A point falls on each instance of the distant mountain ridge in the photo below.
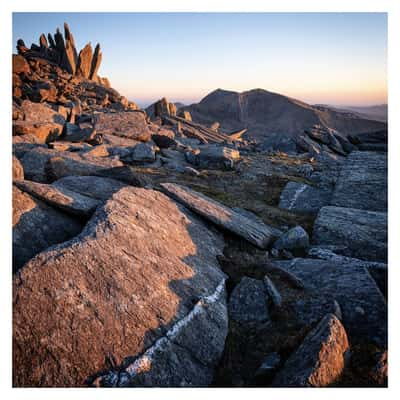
(377, 112)
(266, 113)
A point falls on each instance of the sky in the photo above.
(324, 58)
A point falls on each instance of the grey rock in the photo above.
(67, 163)
(272, 292)
(303, 198)
(37, 227)
(362, 183)
(269, 365)
(95, 187)
(248, 301)
(295, 238)
(141, 153)
(64, 199)
(214, 157)
(363, 234)
(144, 278)
(126, 124)
(320, 359)
(253, 231)
(34, 162)
(351, 286)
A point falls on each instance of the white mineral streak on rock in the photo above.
(143, 362)
(296, 195)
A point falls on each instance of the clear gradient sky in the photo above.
(331, 58)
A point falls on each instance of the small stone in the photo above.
(295, 239)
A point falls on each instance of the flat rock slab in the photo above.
(37, 227)
(128, 124)
(67, 200)
(68, 164)
(362, 183)
(140, 288)
(362, 304)
(303, 198)
(248, 301)
(255, 232)
(319, 360)
(95, 187)
(359, 233)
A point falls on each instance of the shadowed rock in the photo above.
(36, 227)
(248, 301)
(351, 286)
(96, 61)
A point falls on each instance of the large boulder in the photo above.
(214, 157)
(136, 299)
(248, 301)
(349, 284)
(36, 227)
(303, 198)
(360, 234)
(66, 164)
(127, 124)
(320, 359)
(362, 183)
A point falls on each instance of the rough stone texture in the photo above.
(253, 231)
(96, 61)
(319, 361)
(64, 199)
(95, 187)
(128, 124)
(303, 198)
(85, 61)
(351, 286)
(217, 157)
(66, 164)
(360, 234)
(295, 238)
(362, 183)
(20, 65)
(248, 301)
(34, 162)
(141, 153)
(36, 227)
(17, 169)
(132, 284)
(39, 120)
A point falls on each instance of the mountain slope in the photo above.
(264, 113)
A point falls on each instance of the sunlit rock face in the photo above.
(135, 276)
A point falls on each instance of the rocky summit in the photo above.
(237, 242)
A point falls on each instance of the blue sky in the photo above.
(335, 58)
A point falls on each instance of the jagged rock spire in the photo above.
(43, 41)
(85, 61)
(51, 41)
(96, 61)
(61, 49)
